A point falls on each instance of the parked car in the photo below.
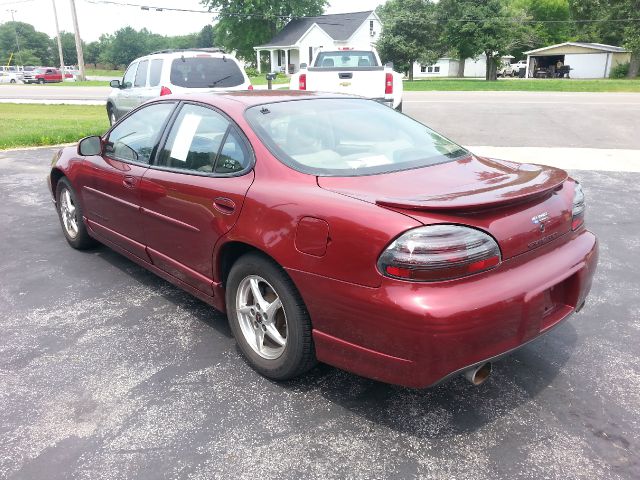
(174, 71)
(520, 64)
(506, 70)
(44, 75)
(10, 77)
(334, 229)
(347, 70)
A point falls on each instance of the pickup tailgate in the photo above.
(367, 82)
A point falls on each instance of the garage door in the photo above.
(588, 65)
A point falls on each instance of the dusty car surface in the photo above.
(334, 229)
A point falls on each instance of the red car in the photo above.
(45, 75)
(334, 229)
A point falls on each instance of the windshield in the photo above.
(347, 137)
(346, 59)
(206, 72)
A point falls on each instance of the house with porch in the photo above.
(301, 38)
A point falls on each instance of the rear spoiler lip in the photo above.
(469, 202)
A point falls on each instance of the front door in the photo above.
(194, 193)
(112, 195)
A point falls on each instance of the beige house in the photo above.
(587, 60)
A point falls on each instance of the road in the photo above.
(509, 119)
(107, 371)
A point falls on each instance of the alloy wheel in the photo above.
(68, 214)
(261, 317)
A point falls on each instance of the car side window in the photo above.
(141, 75)
(133, 139)
(155, 72)
(195, 139)
(234, 156)
(130, 75)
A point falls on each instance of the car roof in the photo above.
(250, 98)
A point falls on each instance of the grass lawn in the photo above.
(525, 84)
(262, 80)
(86, 83)
(103, 73)
(24, 125)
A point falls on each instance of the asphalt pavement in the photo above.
(108, 372)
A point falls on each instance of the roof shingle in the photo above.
(340, 27)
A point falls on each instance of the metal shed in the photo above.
(586, 60)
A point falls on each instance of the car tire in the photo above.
(253, 323)
(111, 112)
(399, 107)
(12, 80)
(70, 215)
(41, 81)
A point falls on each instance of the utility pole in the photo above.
(55, 17)
(78, 40)
(13, 20)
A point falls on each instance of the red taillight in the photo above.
(439, 252)
(164, 91)
(388, 84)
(302, 82)
(250, 87)
(577, 212)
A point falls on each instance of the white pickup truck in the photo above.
(358, 72)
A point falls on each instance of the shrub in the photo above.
(251, 71)
(619, 71)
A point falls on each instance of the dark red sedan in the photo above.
(334, 229)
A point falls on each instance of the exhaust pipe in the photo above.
(478, 374)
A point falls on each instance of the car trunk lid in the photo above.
(523, 206)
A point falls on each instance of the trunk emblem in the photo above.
(345, 84)
(540, 219)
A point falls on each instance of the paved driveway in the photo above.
(108, 372)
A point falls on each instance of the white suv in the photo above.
(174, 71)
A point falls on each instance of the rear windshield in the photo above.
(205, 72)
(346, 59)
(347, 137)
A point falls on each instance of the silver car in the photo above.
(174, 71)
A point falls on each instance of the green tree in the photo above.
(473, 27)
(618, 25)
(35, 46)
(69, 52)
(205, 37)
(410, 33)
(244, 25)
(92, 53)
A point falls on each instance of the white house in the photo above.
(301, 38)
(586, 60)
(448, 67)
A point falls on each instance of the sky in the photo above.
(98, 18)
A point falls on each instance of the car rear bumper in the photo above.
(418, 334)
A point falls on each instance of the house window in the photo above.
(430, 69)
(310, 55)
(371, 27)
(423, 68)
(279, 58)
(436, 69)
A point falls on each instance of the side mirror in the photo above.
(90, 146)
(115, 84)
(389, 65)
(303, 66)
